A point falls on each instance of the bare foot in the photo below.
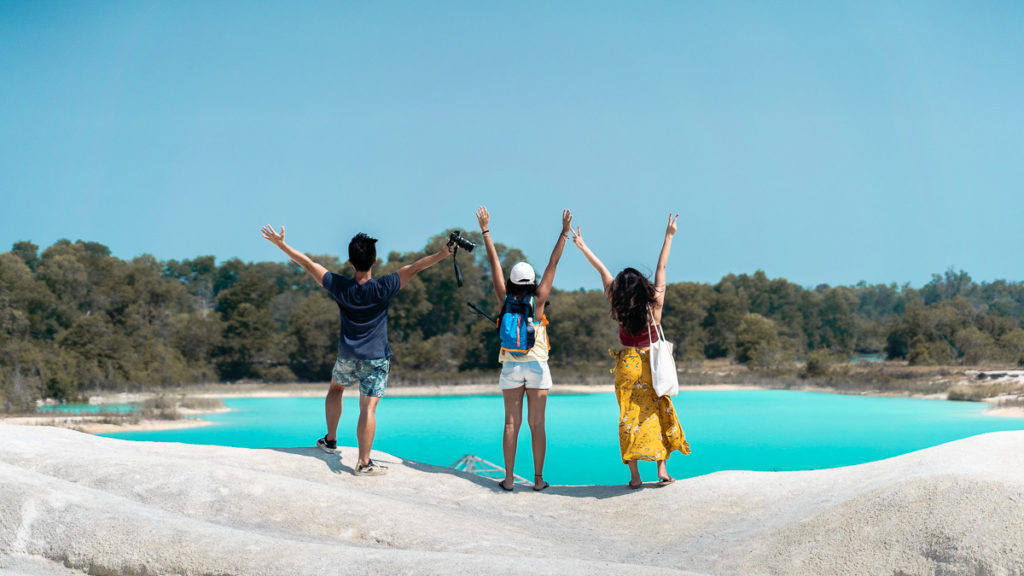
(663, 476)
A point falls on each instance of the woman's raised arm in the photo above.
(659, 273)
(547, 279)
(483, 217)
(606, 276)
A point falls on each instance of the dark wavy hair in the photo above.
(519, 290)
(362, 252)
(631, 295)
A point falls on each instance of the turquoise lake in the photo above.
(736, 430)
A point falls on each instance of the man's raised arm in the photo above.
(405, 273)
(315, 270)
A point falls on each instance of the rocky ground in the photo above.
(72, 503)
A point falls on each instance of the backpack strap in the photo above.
(531, 310)
(505, 305)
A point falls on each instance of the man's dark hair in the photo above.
(362, 252)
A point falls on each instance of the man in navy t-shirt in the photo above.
(364, 354)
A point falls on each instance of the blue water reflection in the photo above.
(735, 430)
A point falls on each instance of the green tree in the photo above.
(726, 310)
(974, 346)
(1012, 346)
(67, 279)
(581, 329)
(100, 351)
(935, 352)
(948, 286)
(197, 336)
(819, 364)
(686, 308)
(249, 343)
(198, 276)
(839, 320)
(26, 304)
(758, 344)
(150, 301)
(27, 252)
(878, 302)
(313, 331)
(253, 287)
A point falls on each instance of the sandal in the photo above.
(502, 484)
(538, 487)
(632, 486)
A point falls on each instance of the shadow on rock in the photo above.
(333, 461)
(596, 492)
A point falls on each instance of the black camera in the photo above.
(461, 241)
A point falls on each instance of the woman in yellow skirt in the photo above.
(648, 426)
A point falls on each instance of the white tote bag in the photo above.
(663, 367)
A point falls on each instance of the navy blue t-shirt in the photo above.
(364, 314)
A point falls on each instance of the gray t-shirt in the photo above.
(364, 314)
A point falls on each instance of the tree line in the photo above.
(74, 318)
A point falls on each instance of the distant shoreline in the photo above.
(428, 390)
(89, 425)
(102, 424)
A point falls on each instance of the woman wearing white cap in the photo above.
(525, 364)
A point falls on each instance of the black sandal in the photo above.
(539, 487)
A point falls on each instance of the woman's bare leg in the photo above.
(634, 474)
(510, 436)
(536, 401)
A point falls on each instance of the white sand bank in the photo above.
(1006, 412)
(92, 425)
(74, 502)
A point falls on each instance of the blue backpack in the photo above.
(515, 326)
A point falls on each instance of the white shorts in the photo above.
(532, 374)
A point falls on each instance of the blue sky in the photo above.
(823, 142)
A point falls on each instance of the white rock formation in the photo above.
(71, 503)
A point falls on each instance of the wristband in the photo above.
(486, 232)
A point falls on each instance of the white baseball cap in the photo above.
(522, 273)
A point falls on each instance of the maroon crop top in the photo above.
(639, 341)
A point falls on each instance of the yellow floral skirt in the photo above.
(648, 426)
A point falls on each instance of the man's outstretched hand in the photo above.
(272, 236)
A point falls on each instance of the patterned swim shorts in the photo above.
(371, 375)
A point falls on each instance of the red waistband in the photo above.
(641, 340)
